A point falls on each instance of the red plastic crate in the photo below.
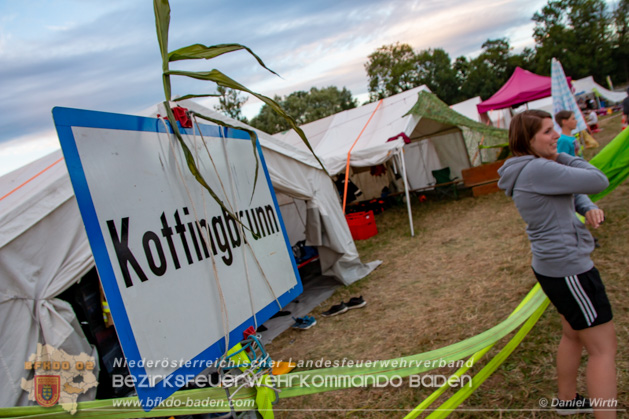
(362, 225)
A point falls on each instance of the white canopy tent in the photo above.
(44, 250)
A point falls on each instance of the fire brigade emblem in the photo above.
(47, 389)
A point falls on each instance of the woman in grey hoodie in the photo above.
(547, 188)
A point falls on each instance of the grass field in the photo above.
(465, 270)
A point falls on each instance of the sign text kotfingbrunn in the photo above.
(196, 239)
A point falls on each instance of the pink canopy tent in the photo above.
(522, 86)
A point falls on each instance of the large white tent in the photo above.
(587, 85)
(366, 137)
(44, 250)
(436, 137)
(333, 136)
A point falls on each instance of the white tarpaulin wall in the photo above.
(423, 158)
(294, 215)
(450, 147)
(44, 250)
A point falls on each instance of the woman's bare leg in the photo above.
(600, 343)
(568, 361)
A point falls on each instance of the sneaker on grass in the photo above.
(304, 323)
(573, 407)
(356, 302)
(334, 310)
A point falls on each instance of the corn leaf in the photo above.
(193, 167)
(193, 96)
(223, 80)
(162, 22)
(252, 135)
(198, 51)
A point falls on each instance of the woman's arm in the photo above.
(566, 175)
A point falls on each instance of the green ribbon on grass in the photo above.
(294, 384)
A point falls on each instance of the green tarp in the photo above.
(429, 106)
(613, 160)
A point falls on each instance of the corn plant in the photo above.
(197, 52)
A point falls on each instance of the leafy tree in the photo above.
(230, 103)
(392, 69)
(304, 107)
(485, 74)
(620, 39)
(576, 32)
(436, 72)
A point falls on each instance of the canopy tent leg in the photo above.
(408, 198)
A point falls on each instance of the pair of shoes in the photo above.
(575, 406)
(354, 302)
(304, 323)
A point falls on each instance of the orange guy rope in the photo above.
(31, 179)
(349, 153)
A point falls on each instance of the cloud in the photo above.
(20, 151)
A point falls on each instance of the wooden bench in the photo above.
(482, 179)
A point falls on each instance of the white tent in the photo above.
(374, 125)
(500, 118)
(414, 124)
(581, 87)
(333, 136)
(587, 85)
(366, 131)
(44, 250)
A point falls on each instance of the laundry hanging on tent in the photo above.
(353, 192)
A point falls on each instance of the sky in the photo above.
(104, 55)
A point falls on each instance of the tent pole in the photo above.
(408, 198)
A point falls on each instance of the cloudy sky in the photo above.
(103, 55)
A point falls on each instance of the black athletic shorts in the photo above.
(581, 299)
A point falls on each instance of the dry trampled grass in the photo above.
(465, 270)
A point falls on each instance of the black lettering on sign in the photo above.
(124, 253)
(221, 234)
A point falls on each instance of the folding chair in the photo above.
(445, 186)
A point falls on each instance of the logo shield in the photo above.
(47, 389)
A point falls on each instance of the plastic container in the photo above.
(362, 225)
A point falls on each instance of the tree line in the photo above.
(587, 36)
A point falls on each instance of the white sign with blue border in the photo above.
(178, 271)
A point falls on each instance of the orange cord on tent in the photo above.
(349, 153)
(31, 179)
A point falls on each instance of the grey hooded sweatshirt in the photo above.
(547, 193)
